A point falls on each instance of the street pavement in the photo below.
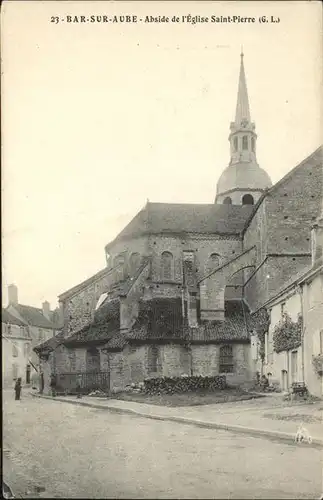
(58, 450)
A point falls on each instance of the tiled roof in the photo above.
(117, 342)
(162, 319)
(50, 344)
(159, 319)
(105, 325)
(235, 327)
(33, 316)
(185, 218)
(6, 317)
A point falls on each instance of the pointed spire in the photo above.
(242, 110)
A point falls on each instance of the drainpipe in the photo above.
(300, 291)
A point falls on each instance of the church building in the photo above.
(185, 286)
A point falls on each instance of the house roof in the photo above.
(105, 325)
(50, 344)
(182, 218)
(7, 317)
(33, 316)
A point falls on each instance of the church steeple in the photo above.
(243, 136)
(243, 181)
(242, 109)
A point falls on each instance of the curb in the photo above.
(264, 433)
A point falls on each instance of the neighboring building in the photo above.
(295, 336)
(16, 350)
(42, 324)
(185, 285)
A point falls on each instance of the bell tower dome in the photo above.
(243, 181)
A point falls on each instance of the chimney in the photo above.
(13, 295)
(46, 309)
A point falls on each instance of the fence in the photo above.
(86, 381)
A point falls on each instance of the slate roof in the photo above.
(105, 325)
(186, 218)
(7, 317)
(50, 344)
(34, 316)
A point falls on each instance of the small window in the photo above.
(282, 309)
(245, 142)
(40, 334)
(226, 359)
(247, 199)
(227, 201)
(253, 144)
(14, 351)
(235, 144)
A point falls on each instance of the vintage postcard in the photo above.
(162, 235)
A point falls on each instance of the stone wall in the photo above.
(134, 363)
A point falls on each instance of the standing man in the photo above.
(18, 389)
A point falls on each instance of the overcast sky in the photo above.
(99, 117)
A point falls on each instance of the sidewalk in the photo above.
(269, 417)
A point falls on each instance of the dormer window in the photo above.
(245, 142)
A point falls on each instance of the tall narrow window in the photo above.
(14, 350)
(213, 262)
(245, 142)
(253, 142)
(226, 359)
(227, 201)
(235, 144)
(134, 262)
(14, 371)
(119, 262)
(153, 359)
(167, 266)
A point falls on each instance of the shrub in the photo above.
(288, 334)
(172, 385)
(317, 362)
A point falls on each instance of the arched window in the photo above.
(213, 262)
(92, 360)
(227, 201)
(167, 266)
(245, 142)
(253, 142)
(247, 199)
(134, 262)
(226, 359)
(119, 266)
(235, 144)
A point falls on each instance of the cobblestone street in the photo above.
(55, 449)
